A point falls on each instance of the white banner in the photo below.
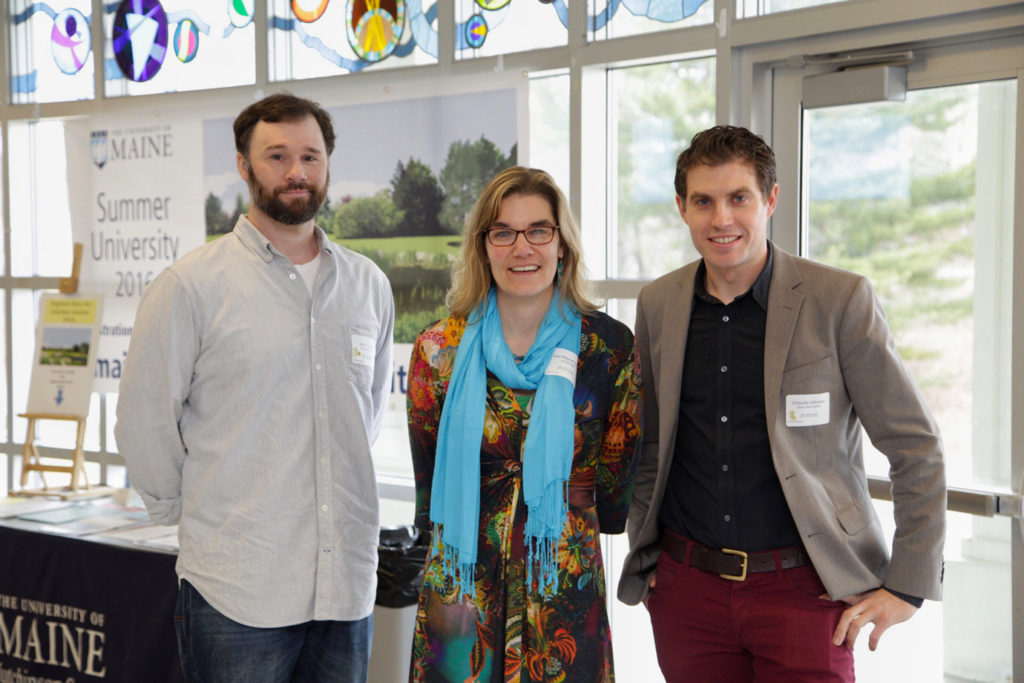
(136, 198)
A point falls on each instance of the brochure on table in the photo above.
(103, 520)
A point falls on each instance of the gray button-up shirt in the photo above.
(246, 413)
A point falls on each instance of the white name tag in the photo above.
(806, 410)
(563, 363)
(362, 350)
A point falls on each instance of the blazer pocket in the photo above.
(815, 370)
(852, 519)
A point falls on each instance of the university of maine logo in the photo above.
(98, 143)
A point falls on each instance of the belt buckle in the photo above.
(742, 576)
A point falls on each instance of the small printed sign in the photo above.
(62, 373)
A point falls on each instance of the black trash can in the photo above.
(402, 555)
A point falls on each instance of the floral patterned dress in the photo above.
(509, 632)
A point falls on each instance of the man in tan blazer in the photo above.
(754, 543)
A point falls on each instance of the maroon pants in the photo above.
(770, 627)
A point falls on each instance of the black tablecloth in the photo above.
(74, 610)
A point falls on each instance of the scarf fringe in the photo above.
(462, 573)
(542, 542)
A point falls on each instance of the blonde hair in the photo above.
(471, 277)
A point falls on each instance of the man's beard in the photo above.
(294, 212)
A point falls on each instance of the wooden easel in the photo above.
(30, 460)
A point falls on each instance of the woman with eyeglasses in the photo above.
(525, 420)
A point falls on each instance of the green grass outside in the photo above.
(62, 357)
(431, 244)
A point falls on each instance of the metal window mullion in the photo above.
(98, 50)
(1016, 370)
(261, 44)
(5, 221)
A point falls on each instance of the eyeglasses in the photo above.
(535, 234)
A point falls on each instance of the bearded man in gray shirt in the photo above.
(256, 380)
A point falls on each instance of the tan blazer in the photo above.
(825, 334)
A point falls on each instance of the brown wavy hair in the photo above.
(471, 277)
(722, 144)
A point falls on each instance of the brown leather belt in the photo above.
(732, 564)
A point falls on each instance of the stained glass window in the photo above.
(50, 51)
(158, 46)
(617, 18)
(485, 28)
(311, 38)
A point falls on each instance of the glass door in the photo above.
(918, 195)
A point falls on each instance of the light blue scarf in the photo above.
(547, 452)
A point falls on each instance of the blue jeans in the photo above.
(215, 649)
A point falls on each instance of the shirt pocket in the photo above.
(359, 346)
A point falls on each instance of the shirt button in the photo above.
(725, 468)
(727, 518)
(725, 318)
(725, 418)
(724, 368)
(291, 276)
(324, 508)
(317, 366)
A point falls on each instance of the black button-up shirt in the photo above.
(722, 489)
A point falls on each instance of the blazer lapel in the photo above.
(674, 321)
(784, 304)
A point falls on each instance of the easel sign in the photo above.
(65, 357)
(62, 374)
